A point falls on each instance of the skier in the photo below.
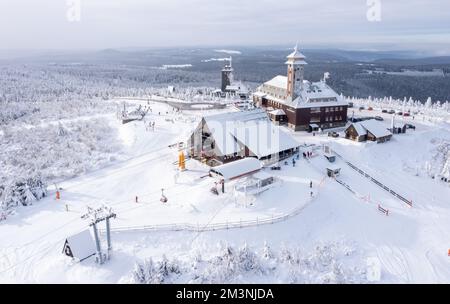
(310, 184)
(137, 199)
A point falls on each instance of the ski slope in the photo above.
(411, 244)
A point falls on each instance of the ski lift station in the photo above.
(80, 246)
(330, 157)
(227, 137)
(255, 184)
(251, 179)
(333, 171)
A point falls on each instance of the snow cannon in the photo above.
(181, 161)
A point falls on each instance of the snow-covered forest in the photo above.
(51, 124)
(332, 263)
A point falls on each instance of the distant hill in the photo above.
(417, 61)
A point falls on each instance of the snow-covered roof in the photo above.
(253, 129)
(81, 245)
(296, 57)
(277, 112)
(233, 88)
(262, 138)
(238, 168)
(373, 126)
(259, 94)
(222, 126)
(278, 82)
(359, 129)
(318, 94)
(333, 167)
(237, 116)
(329, 154)
(313, 94)
(261, 175)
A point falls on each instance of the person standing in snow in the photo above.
(176, 175)
(310, 184)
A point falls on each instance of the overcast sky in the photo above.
(43, 24)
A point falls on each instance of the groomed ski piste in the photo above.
(336, 234)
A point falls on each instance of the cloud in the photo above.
(124, 23)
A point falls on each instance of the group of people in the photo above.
(150, 126)
(307, 154)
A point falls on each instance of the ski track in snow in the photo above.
(411, 243)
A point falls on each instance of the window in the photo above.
(327, 110)
(337, 109)
(341, 108)
(331, 109)
(315, 110)
(326, 118)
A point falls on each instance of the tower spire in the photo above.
(295, 63)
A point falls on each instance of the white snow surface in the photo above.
(410, 245)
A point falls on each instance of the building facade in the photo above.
(229, 86)
(227, 76)
(305, 104)
(369, 130)
(227, 137)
